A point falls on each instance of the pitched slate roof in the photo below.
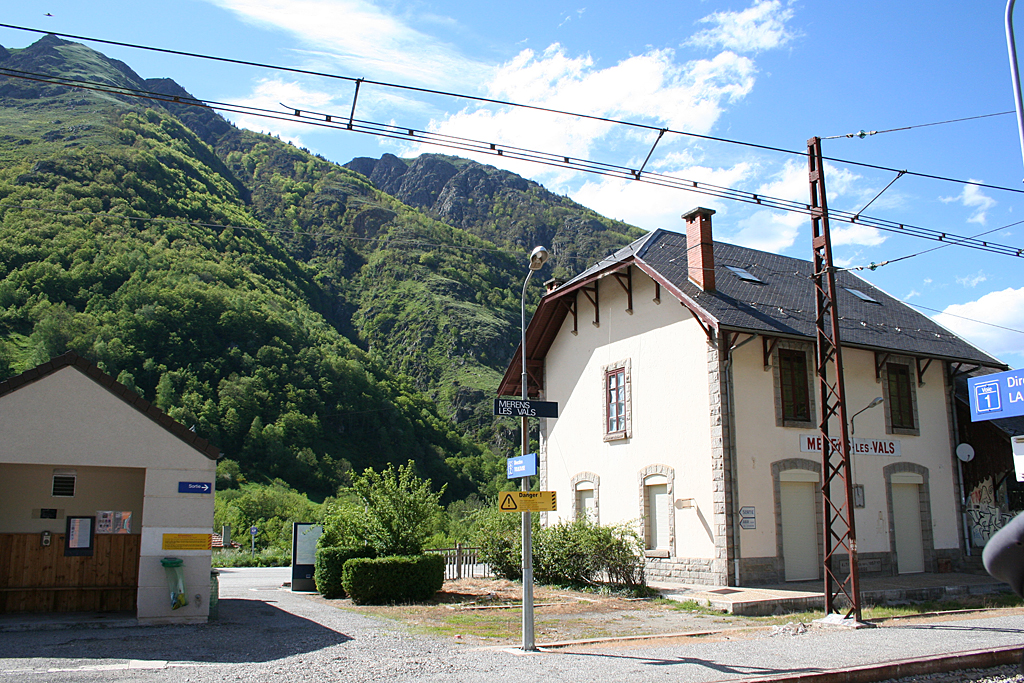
(782, 304)
(113, 386)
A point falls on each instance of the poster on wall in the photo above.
(78, 537)
(113, 522)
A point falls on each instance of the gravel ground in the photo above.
(265, 631)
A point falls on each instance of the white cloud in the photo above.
(364, 40)
(759, 27)
(1003, 308)
(777, 231)
(650, 206)
(972, 280)
(269, 94)
(911, 295)
(973, 198)
(651, 87)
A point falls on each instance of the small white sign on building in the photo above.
(1018, 456)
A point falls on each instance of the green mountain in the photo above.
(295, 311)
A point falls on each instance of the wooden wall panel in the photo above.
(34, 578)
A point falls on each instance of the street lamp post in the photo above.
(853, 451)
(537, 259)
(874, 402)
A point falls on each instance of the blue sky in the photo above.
(770, 72)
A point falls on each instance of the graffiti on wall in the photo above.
(984, 514)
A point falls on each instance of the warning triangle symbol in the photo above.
(508, 502)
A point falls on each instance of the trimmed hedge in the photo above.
(386, 580)
(329, 565)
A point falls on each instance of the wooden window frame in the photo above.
(788, 345)
(622, 428)
(791, 381)
(899, 389)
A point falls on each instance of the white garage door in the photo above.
(906, 519)
(799, 524)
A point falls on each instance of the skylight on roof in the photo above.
(862, 296)
(744, 275)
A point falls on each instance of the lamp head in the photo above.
(875, 402)
(538, 257)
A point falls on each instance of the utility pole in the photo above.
(837, 484)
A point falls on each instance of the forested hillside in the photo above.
(300, 317)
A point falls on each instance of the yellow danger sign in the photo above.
(528, 501)
(186, 541)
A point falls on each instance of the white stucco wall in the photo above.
(671, 425)
(667, 351)
(66, 420)
(760, 443)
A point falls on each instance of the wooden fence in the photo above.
(37, 578)
(462, 562)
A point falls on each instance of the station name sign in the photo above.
(811, 443)
(1000, 394)
(517, 407)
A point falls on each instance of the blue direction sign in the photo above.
(522, 466)
(195, 487)
(997, 395)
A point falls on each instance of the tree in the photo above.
(395, 512)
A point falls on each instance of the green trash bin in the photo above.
(174, 567)
(214, 593)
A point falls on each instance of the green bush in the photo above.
(583, 553)
(329, 565)
(386, 580)
(394, 512)
(500, 538)
(268, 557)
(574, 554)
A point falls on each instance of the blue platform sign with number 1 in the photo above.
(1000, 394)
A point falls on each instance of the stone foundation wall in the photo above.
(683, 570)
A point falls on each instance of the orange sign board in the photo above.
(187, 541)
(527, 501)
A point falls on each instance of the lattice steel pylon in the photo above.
(837, 484)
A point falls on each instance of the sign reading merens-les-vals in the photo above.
(1000, 394)
(517, 407)
(811, 443)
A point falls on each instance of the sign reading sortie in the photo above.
(811, 443)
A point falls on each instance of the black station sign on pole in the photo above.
(518, 407)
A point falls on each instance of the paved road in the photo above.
(267, 632)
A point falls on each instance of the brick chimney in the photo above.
(700, 252)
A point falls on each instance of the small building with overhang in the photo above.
(106, 503)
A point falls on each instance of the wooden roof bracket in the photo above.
(957, 369)
(922, 369)
(728, 341)
(592, 296)
(657, 292)
(534, 375)
(708, 330)
(880, 359)
(768, 345)
(572, 306)
(626, 282)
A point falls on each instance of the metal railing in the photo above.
(462, 562)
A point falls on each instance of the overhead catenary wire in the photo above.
(504, 103)
(973, 320)
(393, 131)
(876, 266)
(866, 133)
